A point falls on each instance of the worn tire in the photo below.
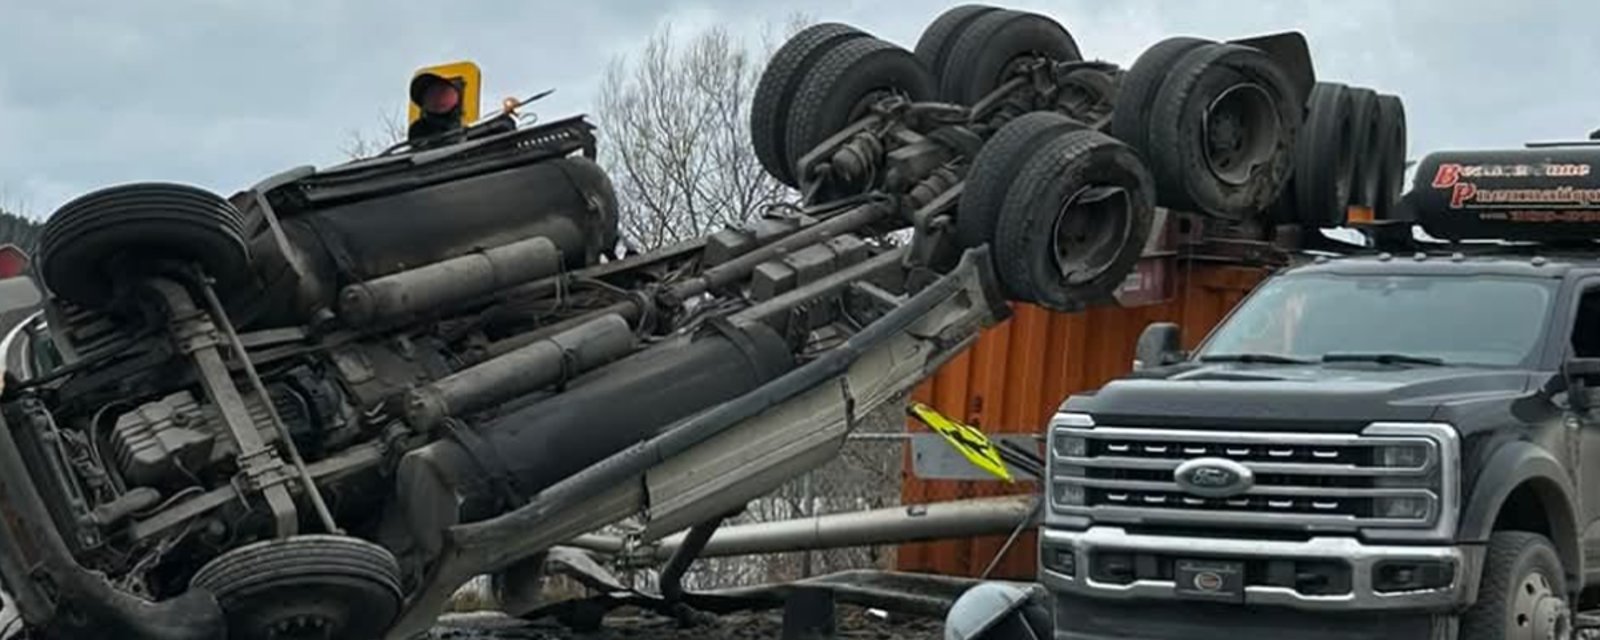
(299, 572)
(996, 166)
(1324, 160)
(983, 55)
(1026, 231)
(1392, 176)
(769, 108)
(1512, 557)
(933, 47)
(94, 238)
(1178, 149)
(1130, 116)
(1369, 147)
(838, 89)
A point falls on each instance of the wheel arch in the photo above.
(1524, 488)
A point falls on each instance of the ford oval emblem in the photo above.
(1214, 477)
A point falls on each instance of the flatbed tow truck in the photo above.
(1397, 442)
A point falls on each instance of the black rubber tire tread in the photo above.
(1323, 161)
(1175, 157)
(979, 57)
(1023, 250)
(1392, 176)
(1130, 116)
(933, 47)
(148, 220)
(251, 564)
(769, 107)
(839, 80)
(1369, 147)
(1510, 554)
(995, 167)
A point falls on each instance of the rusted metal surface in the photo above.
(1016, 375)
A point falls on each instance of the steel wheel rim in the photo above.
(1240, 131)
(1537, 611)
(1089, 230)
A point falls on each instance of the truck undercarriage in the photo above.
(316, 408)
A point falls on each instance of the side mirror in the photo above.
(1580, 374)
(1161, 344)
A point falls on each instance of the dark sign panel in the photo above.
(1548, 194)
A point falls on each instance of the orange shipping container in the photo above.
(1014, 377)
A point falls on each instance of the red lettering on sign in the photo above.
(1462, 193)
(1448, 175)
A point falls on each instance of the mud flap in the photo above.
(735, 452)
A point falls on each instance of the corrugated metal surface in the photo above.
(1013, 379)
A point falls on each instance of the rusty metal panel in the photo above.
(1015, 376)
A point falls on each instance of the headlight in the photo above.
(1068, 446)
(1066, 495)
(1403, 508)
(1402, 456)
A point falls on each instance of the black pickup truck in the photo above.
(1380, 444)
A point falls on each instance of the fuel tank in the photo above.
(476, 473)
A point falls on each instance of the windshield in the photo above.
(1478, 320)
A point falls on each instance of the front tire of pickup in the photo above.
(1523, 594)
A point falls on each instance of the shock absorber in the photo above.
(937, 182)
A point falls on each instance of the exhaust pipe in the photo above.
(892, 525)
(450, 282)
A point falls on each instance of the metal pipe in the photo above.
(693, 543)
(537, 365)
(894, 525)
(449, 282)
(732, 270)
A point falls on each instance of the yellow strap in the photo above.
(972, 443)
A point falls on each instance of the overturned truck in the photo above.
(315, 408)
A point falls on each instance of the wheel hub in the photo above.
(1089, 232)
(1538, 612)
(1241, 130)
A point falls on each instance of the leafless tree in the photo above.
(675, 135)
(365, 143)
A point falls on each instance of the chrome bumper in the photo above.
(1362, 558)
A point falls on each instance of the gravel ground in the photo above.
(853, 623)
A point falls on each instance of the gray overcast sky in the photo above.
(222, 92)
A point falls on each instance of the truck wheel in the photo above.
(1074, 221)
(311, 586)
(1324, 161)
(769, 108)
(99, 236)
(1392, 177)
(992, 47)
(995, 167)
(842, 87)
(1130, 116)
(933, 48)
(1523, 595)
(1222, 132)
(1369, 147)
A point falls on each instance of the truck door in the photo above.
(1586, 344)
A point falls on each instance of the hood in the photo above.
(1320, 397)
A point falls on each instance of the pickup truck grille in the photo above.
(1394, 476)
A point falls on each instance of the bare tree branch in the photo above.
(675, 135)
